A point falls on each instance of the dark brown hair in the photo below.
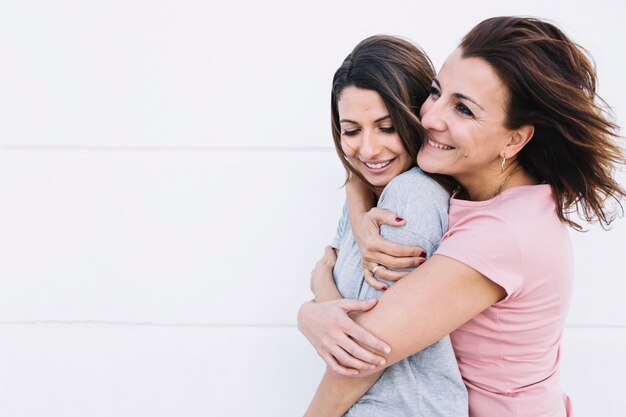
(552, 86)
(401, 73)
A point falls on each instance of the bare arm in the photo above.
(327, 322)
(331, 402)
(322, 284)
(429, 303)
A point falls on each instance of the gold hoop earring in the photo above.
(503, 162)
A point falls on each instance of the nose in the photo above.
(370, 145)
(432, 115)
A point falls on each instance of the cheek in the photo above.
(425, 107)
(407, 161)
(348, 150)
(420, 160)
(402, 155)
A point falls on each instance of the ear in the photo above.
(519, 138)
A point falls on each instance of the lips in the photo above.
(439, 145)
(377, 165)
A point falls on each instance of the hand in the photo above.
(380, 254)
(323, 269)
(334, 335)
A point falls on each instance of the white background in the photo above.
(167, 182)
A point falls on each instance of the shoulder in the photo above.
(415, 180)
(343, 228)
(344, 219)
(498, 237)
(422, 203)
(517, 211)
(415, 186)
(487, 242)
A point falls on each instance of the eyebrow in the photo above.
(459, 95)
(380, 119)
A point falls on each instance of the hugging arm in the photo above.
(329, 325)
(327, 322)
(322, 284)
(429, 303)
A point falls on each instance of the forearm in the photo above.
(360, 200)
(336, 394)
(429, 303)
(322, 283)
(324, 288)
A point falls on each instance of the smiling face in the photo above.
(368, 137)
(465, 120)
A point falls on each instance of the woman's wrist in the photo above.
(323, 285)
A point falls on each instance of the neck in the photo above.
(493, 183)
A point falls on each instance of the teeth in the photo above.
(378, 166)
(439, 145)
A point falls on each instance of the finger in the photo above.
(382, 216)
(392, 262)
(349, 305)
(378, 244)
(360, 334)
(374, 268)
(330, 256)
(346, 360)
(335, 367)
(390, 274)
(373, 282)
(367, 339)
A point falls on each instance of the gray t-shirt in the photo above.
(427, 383)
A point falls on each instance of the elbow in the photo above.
(301, 316)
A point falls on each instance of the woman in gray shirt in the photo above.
(375, 94)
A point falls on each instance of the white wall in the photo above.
(167, 182)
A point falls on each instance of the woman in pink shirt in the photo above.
(513, 116)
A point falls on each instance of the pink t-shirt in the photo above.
(509, 354)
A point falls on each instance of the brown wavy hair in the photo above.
(401, 73)
(552, 85)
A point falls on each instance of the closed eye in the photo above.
(463, 109)
(351, 132)
(389, 129)
(434, 91)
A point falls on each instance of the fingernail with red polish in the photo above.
(399, 219)
(423, 254)
(384, 288)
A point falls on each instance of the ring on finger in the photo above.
(375, 268)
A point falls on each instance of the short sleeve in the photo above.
(422, 203)
(342, 227)
(486, 243)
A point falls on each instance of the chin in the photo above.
(428, 166)
(378, 181)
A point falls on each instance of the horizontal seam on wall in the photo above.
(132, 323)
(65, 148)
